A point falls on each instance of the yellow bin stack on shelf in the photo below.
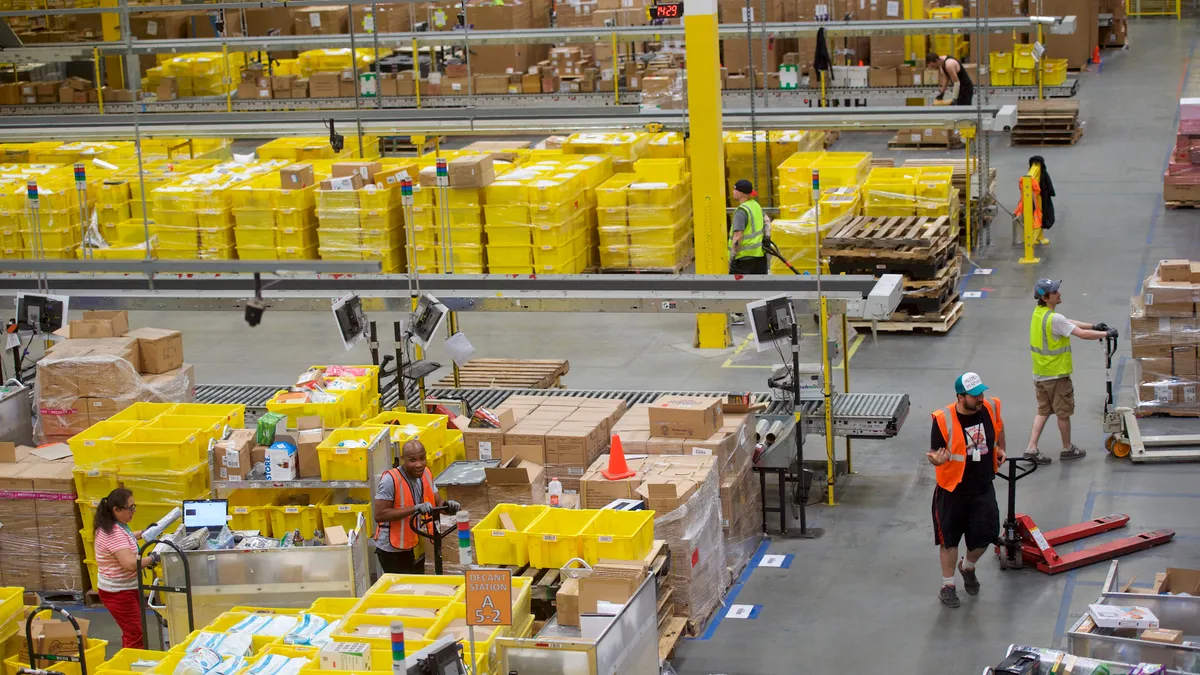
(891, 192)
(54, 231)
(794, 178)
(771, 148)
(193, 216)
(557, 209)
(363, 224)
(271, 223)
(842, 169)
(952, 45)
(935, 192)
(625, 147)
(310, 148)
(1001, 68)
(659, 215)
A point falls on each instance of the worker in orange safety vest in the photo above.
(967, 447)
(402, 492)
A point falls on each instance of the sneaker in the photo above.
(970, 580)
(948, 596)
(1037, 456)
(1073, 452)
(737, 319)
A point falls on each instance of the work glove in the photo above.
(155, 558)
(1112, 332)
(424, 508)
(939, 96)
(452, 507)
(1102, 327)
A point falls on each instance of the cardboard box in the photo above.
(322, 85)
(320, 21)
(610, 583)
(281, 462)
(491, 84)
(233, 455)
(309, 435)
(160, 350)
(100, 324)
(567, 603)
(1164, 635)
(364, 170)
(881, 77)
(1174, 270)
(296, 176)
(531, 84)
(1113, 616)
(248, 90)
(354, 656)
(1177, 189)
(343, 184)
(685, 417)
(1178, 580)
(516, 481)
(471, 171)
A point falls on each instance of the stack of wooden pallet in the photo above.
(923, 249)
(1048, 122)
(509, 374)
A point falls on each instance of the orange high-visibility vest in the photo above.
(950, 474)
(400, 534)
(1037, 202)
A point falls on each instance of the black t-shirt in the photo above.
(978, 430)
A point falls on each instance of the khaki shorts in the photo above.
(1055, 397)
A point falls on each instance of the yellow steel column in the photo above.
(914, 45)
(708, 157)
(110, 26)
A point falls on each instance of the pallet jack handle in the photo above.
(185, 589)
(34, 657)
(1110, 350)
(427, 526)
(1010, 536)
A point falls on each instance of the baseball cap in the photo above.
(1045, 287)
(744, 186)
(969, 383)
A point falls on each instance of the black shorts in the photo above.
(400, 562)
(749, 266)
(958, 514)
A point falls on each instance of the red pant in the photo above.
(124, 607)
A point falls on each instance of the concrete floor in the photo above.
(872, 579)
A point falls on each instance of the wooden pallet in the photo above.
(509, 374)
(899, 233)
(669, 636)
(940, 323)
(904, 142)
(1182, 205)
(1047, 137)
(1048, 122)
(679, 267)
(883, 163)
(932, 295)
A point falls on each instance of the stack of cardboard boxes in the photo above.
(563, 434)
(1181, 182)
(103, 368)
(39, 543)
(70, 90)
(1165, 336)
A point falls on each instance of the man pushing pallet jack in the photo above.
(967, 447)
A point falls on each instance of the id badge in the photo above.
(975, 455)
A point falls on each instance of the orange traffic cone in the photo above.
(617, 468)
(1096, 54)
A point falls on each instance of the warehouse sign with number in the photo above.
(489, 597)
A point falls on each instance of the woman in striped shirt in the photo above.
(117, 564)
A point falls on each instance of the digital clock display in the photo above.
(668, 10)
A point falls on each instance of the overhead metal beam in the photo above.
(858, 296)
(50, 52)
(467, 121)
(152, 267)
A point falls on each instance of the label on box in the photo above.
(151, 28)
(439, 19)
(291, 509)
(1164, 324)
(893, 8)
(264, 93)
(1162, 392)
(235, 479)
(916, 138)
(747, 14)
(341, 451)
(12, 340)
(240, 510)
(498, 533)
(605, 539)
(1148, 299)
(233, 460)
(224, 472)
(485, 449)
(707, 452)
(549, 537)
(929, 132)
(916, 79)
(1189, 393)
(343, 508)
(369, 24)
(93, 473)
(314, 19)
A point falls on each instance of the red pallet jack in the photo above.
(1022, 542)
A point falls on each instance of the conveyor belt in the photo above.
(855, 415)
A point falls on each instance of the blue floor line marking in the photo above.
(1169, 495)
(1064, 607)
(733, 592)
(756, 611)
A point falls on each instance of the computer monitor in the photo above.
(201, 513)
(426, 319)
(771, 319)
(41, 313)
(351, 320)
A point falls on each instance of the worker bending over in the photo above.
(967, 447)
(1050, 345)
(402, 492)
(953, 75)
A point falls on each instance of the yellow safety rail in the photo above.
(1031, 206)
(1152, 8)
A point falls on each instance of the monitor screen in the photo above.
(210, 513)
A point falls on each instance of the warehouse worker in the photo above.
(749, 227)
(967, 447)
(403, 491)
(117, 564)
(1050, 344)
(962, 91)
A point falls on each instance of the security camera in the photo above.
(256, 305)
(336, 140)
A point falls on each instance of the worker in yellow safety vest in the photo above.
(1050, 345)
(403, 491)
(967, 447)
(746, 233)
